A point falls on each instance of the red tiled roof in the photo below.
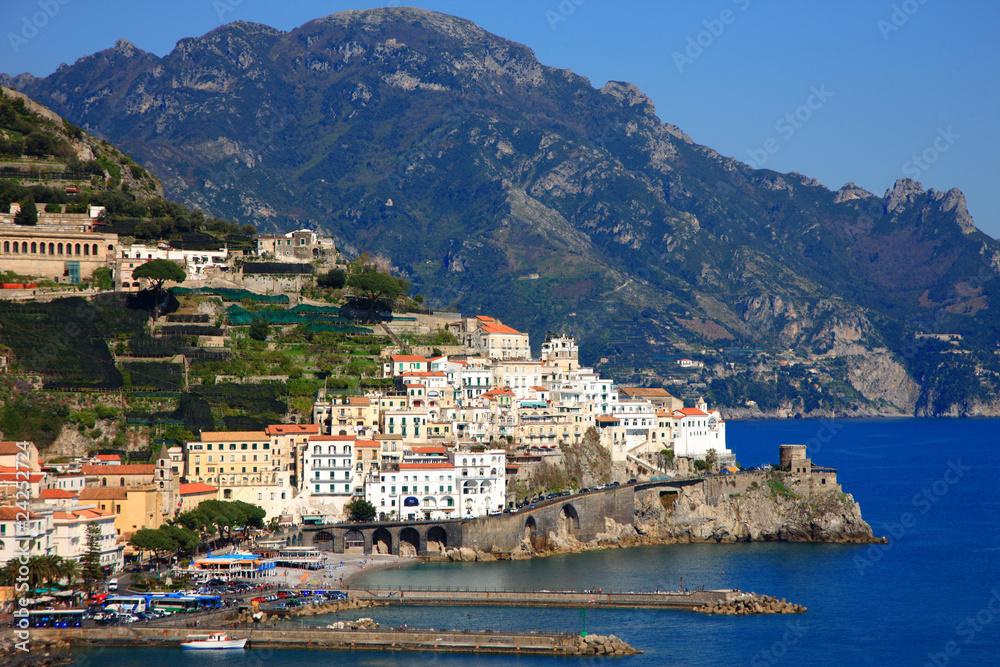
(104, 493)
(108, 457)
(367, 443)
(132, 469)
(691, 412)
(484, 318)
(285, 429)
(196, 487)
(230, 436)
(429, 450)
(11, 514)
(408, 357)
(9, 447)
(56, 493)
(329, 438)
(12, 475)
(500, 329)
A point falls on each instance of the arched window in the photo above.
(317, 449)
(347, 449)
(94, 250)
(86, 249)
(6, 246)
(332, 449)
(59, 249)
(24, 247)
(34, 248)
(77, 249)
(104, 481)
(41, 248)
(17, 247)
(121, 481)
(52, 249)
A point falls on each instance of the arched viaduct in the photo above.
(582, 516)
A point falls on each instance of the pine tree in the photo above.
(91, 560)
(28, 215)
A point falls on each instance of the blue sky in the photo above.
(840, 91)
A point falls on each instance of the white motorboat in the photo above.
(215, 640)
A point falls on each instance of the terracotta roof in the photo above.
(368, 443)
(408, 357)
(500, 329)
(539, 388)
(652, 392)
(607, 418)
(328, 438)
(108, 457)
(429, 450)
(133, 469)
(56, 493)
(104, 493)
(228, 436)
(358, 400)
(9, 447)
(18, 476)
(285, 429)
(425, 466)
(691, 412)
(196, 487)
(10, 514)
(484, 318)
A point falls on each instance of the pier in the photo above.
(499, 598)
(299, 636)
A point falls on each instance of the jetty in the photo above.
(451, 597)
(287, 635)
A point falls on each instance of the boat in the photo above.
(215, 640)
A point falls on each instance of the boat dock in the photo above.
(498, 598)
(295, 635)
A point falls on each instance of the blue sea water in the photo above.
(931, 596)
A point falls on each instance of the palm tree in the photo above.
(70, 571)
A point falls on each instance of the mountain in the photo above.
(500, 185)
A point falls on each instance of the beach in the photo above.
(339, 570)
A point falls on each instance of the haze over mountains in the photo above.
(500, 185)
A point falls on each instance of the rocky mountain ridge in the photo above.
(501, 185)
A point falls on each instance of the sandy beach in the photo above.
(340, 568)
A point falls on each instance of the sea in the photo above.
(931, 596)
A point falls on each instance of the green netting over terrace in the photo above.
(320, 327)
(237, 316)
(229, 294)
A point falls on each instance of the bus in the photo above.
(185, 603)
(129, 603)
(56, 618)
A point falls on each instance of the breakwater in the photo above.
(297, 636)
(501, 598)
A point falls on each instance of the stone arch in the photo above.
(531, 531)
(382, 541)
(439, 535)
(569, 520)
(409, 536)
(354, 542)
(323, 540)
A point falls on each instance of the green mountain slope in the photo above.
(502, 185)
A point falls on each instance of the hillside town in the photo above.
(451, 435)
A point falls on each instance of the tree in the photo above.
(104, 278)
(258, 328)
(153, 539)
(335, 279)
(28, 215)
(711, 458)
(91, 560)
(374, 286)
(248, 230)
(360, 510)
(159, 271)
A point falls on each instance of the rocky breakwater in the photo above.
(753, 508)
(249, 616)
(463, 555)
(42, 653)
(603, 645)
(749, 604)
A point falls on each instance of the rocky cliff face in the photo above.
(471, 164)
(755, 516)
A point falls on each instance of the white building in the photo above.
(699, 430)
(482, 480)
(70, 535)
(329, 474)
(415, 491)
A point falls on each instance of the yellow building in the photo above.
(135, 507)
(191, 495)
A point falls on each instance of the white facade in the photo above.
(482, 480)
(699, 431)
(70, 535)
(415, 491)
(329, 469)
